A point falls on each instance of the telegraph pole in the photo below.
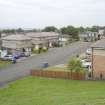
(92, 63)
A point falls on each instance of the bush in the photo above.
(44, 50)
(37, 51)
(55, 44)
(74, 65)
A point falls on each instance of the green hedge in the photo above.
(40, 50)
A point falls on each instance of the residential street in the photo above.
(54, 56)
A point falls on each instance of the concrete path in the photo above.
(54, 56)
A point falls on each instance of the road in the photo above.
(54, 56)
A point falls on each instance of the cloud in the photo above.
(40, 13)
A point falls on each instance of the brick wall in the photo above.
(99, 66)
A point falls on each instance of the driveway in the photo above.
(54, 56)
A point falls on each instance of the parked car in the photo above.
(7, 57)
(26, 54)
(85, 63)
(89, 51)
(17, 56)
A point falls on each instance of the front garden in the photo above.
(73, 70)
(73, 65)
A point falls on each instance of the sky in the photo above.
(59, 13)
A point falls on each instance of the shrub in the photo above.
(44, 49)
(37, 51)
(74, 65)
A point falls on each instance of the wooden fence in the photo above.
(58, 74)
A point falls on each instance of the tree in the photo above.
(8, 31)
(70, 30)
(50, 29)
(31, 30)
(34, 30)
(94, 29)
(81, 29)
(74, 65)
(20, 30)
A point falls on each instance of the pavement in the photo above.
(54, 56)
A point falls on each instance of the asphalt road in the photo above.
(54, 56)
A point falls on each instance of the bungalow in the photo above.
(17, 44)
(89, 36)
(98, 59)
(101, 32)
(43, 39)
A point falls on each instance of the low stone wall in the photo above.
(58, 74)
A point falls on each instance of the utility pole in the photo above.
(92, 63)
(0, 41)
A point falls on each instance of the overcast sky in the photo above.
(41, 13)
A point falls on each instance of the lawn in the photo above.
(44, 91)
(62, 68)
(57, 68)
(4, 63)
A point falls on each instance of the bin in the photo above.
(45, 65)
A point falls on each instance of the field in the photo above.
(44, 91)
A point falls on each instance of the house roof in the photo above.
(42, 34)
(65, 36)
(16, 37)
(99, 44)
(89, 32)
(39, 42)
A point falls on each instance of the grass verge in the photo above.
(4, 63)
(44, 91)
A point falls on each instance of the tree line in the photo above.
(70, 30)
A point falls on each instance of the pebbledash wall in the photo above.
(58, 74)
(99, 64)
